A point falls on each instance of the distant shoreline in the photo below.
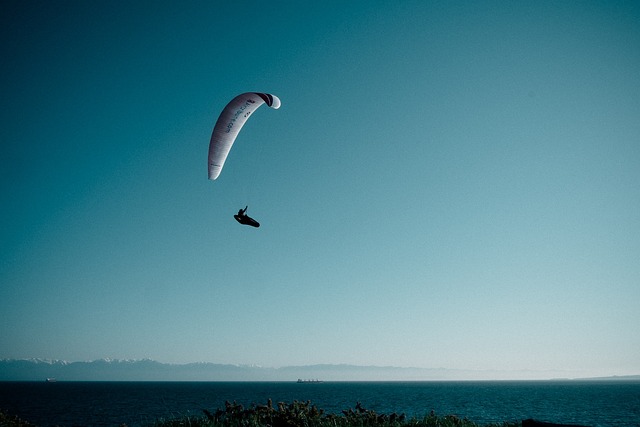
(149, 370)
(628, 379)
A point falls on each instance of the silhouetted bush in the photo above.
(12, 421)
(304, 414)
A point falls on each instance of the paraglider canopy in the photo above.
(228, 125)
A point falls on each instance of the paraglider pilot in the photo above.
(245, 219)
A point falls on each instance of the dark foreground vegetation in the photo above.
(302, 414)
(12, 421)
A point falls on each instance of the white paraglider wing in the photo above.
(231, 120)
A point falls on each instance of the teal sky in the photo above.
(447, 184)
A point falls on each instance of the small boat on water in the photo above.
(50, 380)
(301, 381)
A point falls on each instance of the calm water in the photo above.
(140, 403)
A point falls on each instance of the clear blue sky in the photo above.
(447, 184)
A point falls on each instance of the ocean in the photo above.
(591, 403)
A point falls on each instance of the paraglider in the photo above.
(245, 219)
(226, 130)
(231, 120)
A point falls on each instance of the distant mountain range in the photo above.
(150, 370)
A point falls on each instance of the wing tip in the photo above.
(271, 100)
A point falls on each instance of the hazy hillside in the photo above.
(149, 370)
